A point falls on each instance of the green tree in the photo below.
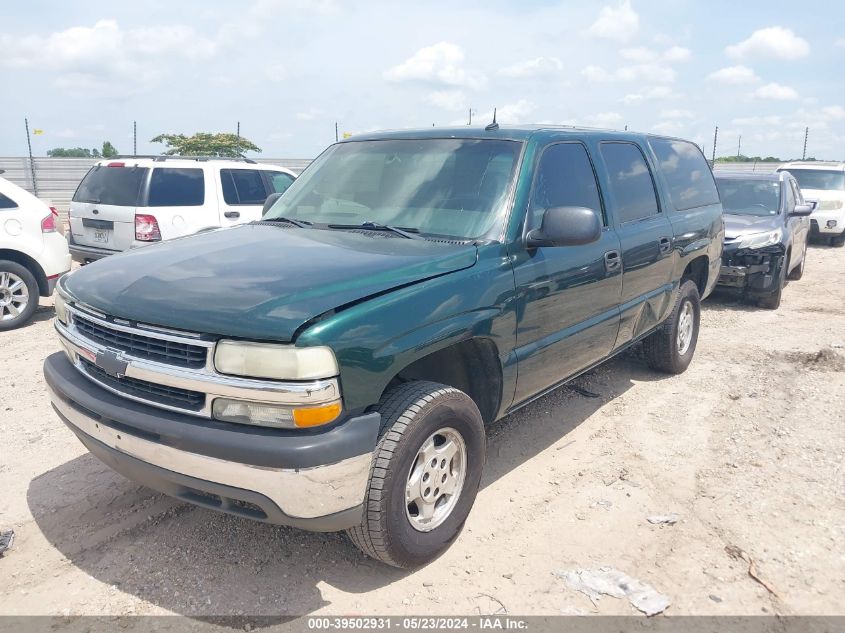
(67, 152)
(109, 150)
(206, 144)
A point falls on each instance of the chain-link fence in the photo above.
(55, 179)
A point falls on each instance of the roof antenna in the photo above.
(492, 126)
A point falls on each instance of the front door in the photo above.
(646, 236)
(568, 296)
(244, 192)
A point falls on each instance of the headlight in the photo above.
(274, 415)
(760, 240)
(830, 205)
(278, 362)
(59, 303)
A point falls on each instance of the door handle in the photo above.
(232, 214)
(665, 244)
(612, 261)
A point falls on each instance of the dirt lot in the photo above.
(747, 447)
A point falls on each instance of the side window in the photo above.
(687, 173)
(799, 197)
(176, 187)
(631, 184)
(790, 197)
(243, 186)
(564, 178)
(7, 203)
(279, 181)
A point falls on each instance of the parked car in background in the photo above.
(33, 254)
(126, 202)
(766, 231)
(333, 366)
(824, 182)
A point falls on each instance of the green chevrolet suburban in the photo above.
(333, 365)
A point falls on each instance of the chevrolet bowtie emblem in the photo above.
(111, 363)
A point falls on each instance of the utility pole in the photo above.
(335, 132)
(739, 147)
(806, 134)
(31, 163)
(134, 138)
(470, 117)
(238, 142)
(715, 138)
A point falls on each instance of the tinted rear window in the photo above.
(119, 186)
(819, 179)
(243, 186)
(687, 173)
(6, 202)
(176, 187)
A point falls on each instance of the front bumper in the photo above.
(754, 271)
(315, 481)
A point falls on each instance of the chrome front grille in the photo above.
(142, 345)
(171, 397)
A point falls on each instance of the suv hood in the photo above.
(258, 281)
(736, 225)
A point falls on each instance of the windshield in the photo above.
(749, 197)
(449, 187)
(819, 179)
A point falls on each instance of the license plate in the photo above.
(101, 235)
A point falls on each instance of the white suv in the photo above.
(823, 182)
(126, 202)
(33, 254)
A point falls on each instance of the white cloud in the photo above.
(655, 73)
(734, 75)
(603, 119)
(776, 92)
(841, 42)
(510, 113)
(753, 121)
(620, 23)
(539, 66)
(309, 115)
(774, 41)
(276, 72)
(836, 112)
(644, 55)
(441, 63)
(676, 114)
(666, 127)
(649, 94)
(448, 99)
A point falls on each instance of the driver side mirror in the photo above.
(270, 201)
(566, 226)
(803, 210)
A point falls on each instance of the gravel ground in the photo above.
(746, 447)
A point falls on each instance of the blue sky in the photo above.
(288, 69)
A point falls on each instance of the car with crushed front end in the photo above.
(333, 365)
(767, 227)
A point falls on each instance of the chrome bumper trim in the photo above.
(300, 493)
(205, 380)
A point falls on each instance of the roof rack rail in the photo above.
(164, 157)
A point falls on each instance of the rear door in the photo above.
(243, 192)
(645, 235)
(102, 212)
(798, 226)
(181, 201)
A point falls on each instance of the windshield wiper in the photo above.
(303, 224)
(405, 232)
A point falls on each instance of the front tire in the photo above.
(796, 273)
(671, 347)
(18, 295)
(425, 474)
(772, 301)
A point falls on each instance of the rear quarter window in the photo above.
(120, 186)
(176, 187)
(280, 181)
(7, 203)
(687, 173)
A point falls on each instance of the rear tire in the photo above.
(670, 348)
(408, 521)
(18, 295)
